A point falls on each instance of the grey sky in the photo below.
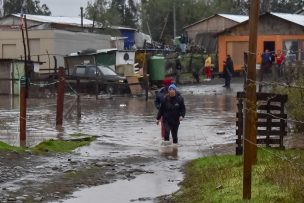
(65, 7)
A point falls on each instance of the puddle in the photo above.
(141, 189)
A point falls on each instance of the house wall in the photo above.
(49, 43)
(68, 42)
(211, 25)
(225, 40)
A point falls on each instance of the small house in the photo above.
(202, 32)
(276, 31)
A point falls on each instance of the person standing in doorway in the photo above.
(208, 67)
(266, 63)
(172, 111)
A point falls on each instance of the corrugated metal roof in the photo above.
(295, 18)
(121, 28)
(236, 18)
(59, 20)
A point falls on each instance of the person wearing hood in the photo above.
(172, 110)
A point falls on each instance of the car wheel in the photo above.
(110, 89)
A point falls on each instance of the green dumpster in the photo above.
(157, 68)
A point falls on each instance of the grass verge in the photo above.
(277, 177)
(6, 147)
(53, 146)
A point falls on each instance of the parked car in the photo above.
(98, 78)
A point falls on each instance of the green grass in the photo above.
(53, 146)
(62, 146)
(219, 178)
(6, 147)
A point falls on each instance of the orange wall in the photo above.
(278, 39)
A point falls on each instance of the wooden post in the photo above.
(60, 97)
(145, 72)
(78, 99)
(22, 117)
(96, 82)
(250, 119)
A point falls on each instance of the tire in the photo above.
(110, 89)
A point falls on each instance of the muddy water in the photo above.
(126, 127)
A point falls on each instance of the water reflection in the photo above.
(120, 117)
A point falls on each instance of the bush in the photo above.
(295, 104)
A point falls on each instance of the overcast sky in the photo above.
(65, 7)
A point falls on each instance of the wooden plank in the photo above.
(134, 85)
(268, 141)
(265, 96)
(266, 132)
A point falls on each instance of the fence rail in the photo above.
(271, 120)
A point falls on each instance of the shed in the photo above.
(129, 33)
(48, 36)
(11, 70)
(276, 31)
(118, 60)
(203, 32)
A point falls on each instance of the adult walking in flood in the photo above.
(160, 96)
(172, 111)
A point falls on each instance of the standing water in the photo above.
(126, 127)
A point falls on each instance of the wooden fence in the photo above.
(271, 120)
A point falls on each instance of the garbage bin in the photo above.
(157, 68)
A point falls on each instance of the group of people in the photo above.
(171, 110)
(267, 64)
(170, 103)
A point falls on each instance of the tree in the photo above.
(127, 10)
(115, 12)
(157, 15)
(285, 6)
(29, 7)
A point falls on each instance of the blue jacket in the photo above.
(160, 96)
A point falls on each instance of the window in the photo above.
(80, 71)
(106, 70)
(294, 50)
(92, 71)
(236, 50)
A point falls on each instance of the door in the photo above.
(270, 45)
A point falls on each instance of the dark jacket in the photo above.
(228, 68)
(171, 109)
(160, 96)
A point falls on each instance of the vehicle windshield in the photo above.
(106, 70)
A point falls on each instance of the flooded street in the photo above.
(126, 127)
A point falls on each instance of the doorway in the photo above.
(270, 45)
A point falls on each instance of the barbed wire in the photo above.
(283, 158)
(71, 88)
(277, 117)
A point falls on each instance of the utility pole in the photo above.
(60, 97)
(250, 111)
(174, 21)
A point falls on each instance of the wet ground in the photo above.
(127, 162)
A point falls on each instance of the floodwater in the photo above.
(126, 127)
